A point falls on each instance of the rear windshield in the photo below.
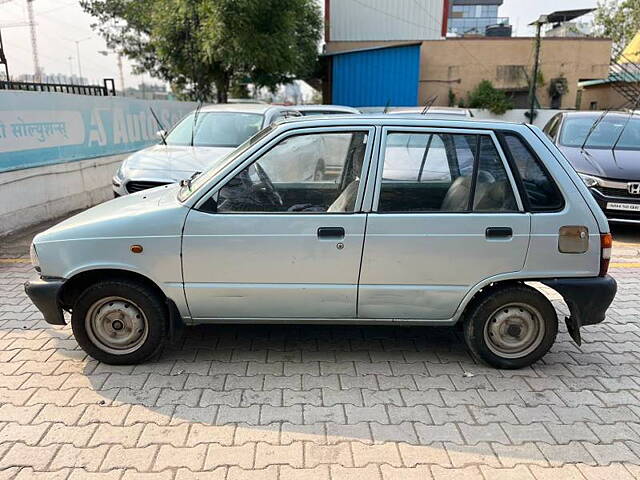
(605, 135)
(215, 129)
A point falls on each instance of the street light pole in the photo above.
(78, 56)
(533, 82)
(3, 58)
(120, 69)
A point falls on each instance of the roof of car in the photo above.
(462, 112)
(260, 108)
(325, 108)
(596, 114)
(400, 120)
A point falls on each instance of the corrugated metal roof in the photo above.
(369, 49)
(377, 77)
(367, 20)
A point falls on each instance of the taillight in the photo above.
(606, 242)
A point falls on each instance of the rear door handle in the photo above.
(336, 233)
(499, 232)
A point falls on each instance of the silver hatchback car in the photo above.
(429, 222)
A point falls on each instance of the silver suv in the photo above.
(429, 222)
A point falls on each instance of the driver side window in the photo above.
(302, 174)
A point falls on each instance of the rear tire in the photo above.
(511, 328)
(120, 322)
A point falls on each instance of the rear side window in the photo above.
(443, 172)
(541, 192)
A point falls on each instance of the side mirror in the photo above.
(161, 133)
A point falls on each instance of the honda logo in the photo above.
(634, 188)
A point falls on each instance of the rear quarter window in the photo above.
(540, 190)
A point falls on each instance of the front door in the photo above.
(285, 239)
(445, 217)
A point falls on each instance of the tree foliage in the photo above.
(485, 95)
(618, 20)
(204, 45)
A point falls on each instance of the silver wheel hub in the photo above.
(514, 331)
(116, 325)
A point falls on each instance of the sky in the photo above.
(62, 22)
(523, 12)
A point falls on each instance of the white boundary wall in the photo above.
(34, 195)
(58, 152)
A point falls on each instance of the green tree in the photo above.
(618, 20)
(202, 46)
(485, 95)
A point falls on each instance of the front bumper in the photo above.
(617, 196)
(44, 293)
(587, 298)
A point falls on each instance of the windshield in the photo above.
(605, 135)
(220, 164)
(215, 129)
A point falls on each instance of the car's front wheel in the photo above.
(511, 328)
(120, 322)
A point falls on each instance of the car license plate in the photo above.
(629, 207)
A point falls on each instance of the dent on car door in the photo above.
(286, 249)
(443, 220)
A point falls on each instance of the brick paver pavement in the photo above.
(318, 402)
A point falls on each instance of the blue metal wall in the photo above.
(374, 77)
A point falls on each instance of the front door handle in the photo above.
(499, 232)
(332, 233)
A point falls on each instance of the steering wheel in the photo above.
(270, 189)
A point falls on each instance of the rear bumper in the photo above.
(587, 298)
(44, 294)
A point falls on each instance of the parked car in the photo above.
(186, 150)
(604, 148)
(234, 246)
(444, 112)
(309, 110)
(315, 159)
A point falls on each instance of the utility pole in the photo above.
(3, 58)
(120, 69)
(70, 58)
(121, 73)
(77, 42)
(34, 42)
(533, 82)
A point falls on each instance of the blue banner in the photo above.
(40, 128)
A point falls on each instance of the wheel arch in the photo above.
(483, 292)
(74, 286)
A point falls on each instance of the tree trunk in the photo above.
(222, 88)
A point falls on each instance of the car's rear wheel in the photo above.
(511, 328)
(120, 322)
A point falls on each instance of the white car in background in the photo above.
(311, 110)
(188, 149)
(449, 113)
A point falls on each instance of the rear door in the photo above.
(445, 216)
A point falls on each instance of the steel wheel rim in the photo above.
(514, 330)
(116, 325)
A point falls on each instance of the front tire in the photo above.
(120, 322)
(511, 328)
